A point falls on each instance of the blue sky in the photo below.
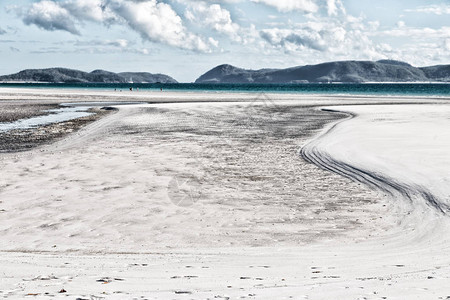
(185, 38)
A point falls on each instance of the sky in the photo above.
(185, 38)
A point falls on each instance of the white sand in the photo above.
(95, 206)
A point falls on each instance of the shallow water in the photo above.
(102, 104)
(67, 112)
(58, 115)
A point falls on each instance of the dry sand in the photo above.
(213, 200)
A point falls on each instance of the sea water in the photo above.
(407, 89)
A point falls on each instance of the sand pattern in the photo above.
(213, 200)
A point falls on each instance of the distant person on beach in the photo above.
(131, 89)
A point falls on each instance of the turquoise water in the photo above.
(419, 89)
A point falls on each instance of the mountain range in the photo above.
(63, 75)
(341, 71)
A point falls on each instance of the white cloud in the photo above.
(325, 38)
(143, 51)
(291, 5)
(373, 25)
(119, 43)
(213, 16)
(447, 44)
(313, 31)
(90, 10)
(424, 33)
(420, 46)
(158, 22)
(432, 9)
(214, 42)
(292, 40)
(384, 48)
(50, 16)
(154, 21)
(334, 7)
(401, 24)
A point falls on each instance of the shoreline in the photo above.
(156, 95)
(205, 83)
(174, 96)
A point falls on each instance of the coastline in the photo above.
(372, 89)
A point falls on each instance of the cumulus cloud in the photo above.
(334, 38)
(89, 10)
(154, 21)
(318, 30)
(331, 33)
(292, 39)
(50, 16)
(290, 5)
(424, 45)
(319, 36)
(447, 44)
(334, 7)
(158, 22)
(214, 16)
(432, 9)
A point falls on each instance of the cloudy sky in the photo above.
(184, 38)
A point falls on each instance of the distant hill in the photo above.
(438, 73)
(147, 77)
(342, 71)
(62, 75)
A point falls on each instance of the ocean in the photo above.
(410, 89)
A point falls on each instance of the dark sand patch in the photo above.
(243, 159)
(26, 139)
(10, 112)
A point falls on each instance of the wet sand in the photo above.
(12, 112)
(26, 139)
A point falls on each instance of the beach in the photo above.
(189, 195)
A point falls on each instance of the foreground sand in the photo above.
(100, 214)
